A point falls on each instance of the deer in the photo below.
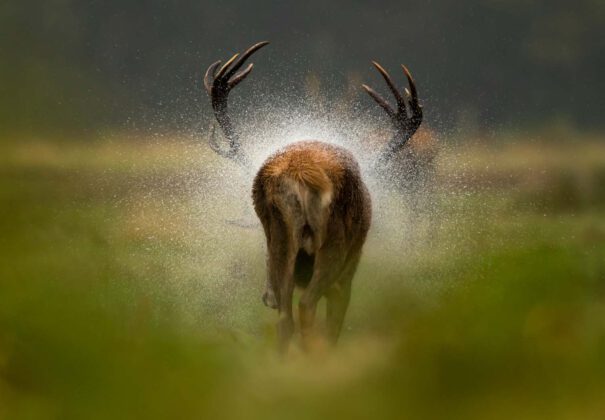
(313, 205)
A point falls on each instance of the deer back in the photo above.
(315, 189)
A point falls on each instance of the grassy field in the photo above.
(131, 273)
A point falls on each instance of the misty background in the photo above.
(91, 65)
(132, 265)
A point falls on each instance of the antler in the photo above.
(218, 84)
(405, 124)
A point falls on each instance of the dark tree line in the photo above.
(77, 64)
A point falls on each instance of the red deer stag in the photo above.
(313, 204)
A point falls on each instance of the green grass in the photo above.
(124, 295)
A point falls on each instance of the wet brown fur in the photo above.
(316, 212)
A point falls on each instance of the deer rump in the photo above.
(310, 199)
(304, 197)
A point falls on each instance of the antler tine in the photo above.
(413, 101)
(379, 100)
(387, 78)
(209, 76)
(408, 75)
(242, 59)
(223, 69)
(240, 76)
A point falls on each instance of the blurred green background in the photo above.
(129, 288)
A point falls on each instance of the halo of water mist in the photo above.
(203, 210)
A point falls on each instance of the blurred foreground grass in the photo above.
(121, 298)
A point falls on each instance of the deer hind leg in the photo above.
(281, 262)
(338, 298)
(269, 297)
(285, 325)
(328, 266)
